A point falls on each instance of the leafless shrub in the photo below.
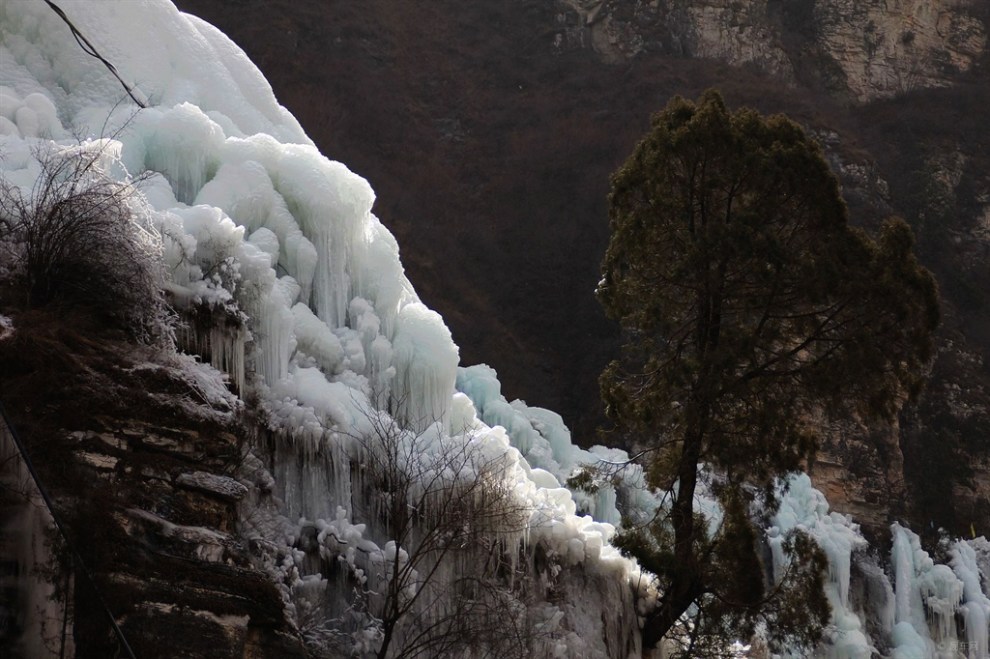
(444, 582)
(74, 239)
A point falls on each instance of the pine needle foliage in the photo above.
(753, 313)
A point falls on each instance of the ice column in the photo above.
(333, 207)
(425, 360)
(183, 148)
(976, 610)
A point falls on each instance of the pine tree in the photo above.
(752, 313)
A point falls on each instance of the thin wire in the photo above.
(51, 510)
(90, 50)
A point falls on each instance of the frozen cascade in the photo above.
(315, 339)
(312, 486)
(425, 360)
(306, 307)
(540, 435)
(183, 146)
(223, 346)
(378, 275)
(804, 508)
(243, 189)
(273, 324)
(976, 610)
(916, 616)
(376, 347)
(928, 596)
(902, 557)
(943, 595)
(332, 207)
(369, 555)
(551, 458)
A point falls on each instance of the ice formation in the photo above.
(922, 610)
(292, 287)
(288, 284)
(38, 606)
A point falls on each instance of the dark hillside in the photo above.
(489, 146)
(490, 156)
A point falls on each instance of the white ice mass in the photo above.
(295, 290)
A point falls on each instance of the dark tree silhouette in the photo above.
(752, 313)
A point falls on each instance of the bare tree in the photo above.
(74, 238)
(451, 523)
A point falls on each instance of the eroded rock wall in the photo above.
(866, 50)
(140, 464)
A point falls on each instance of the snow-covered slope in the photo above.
(296, 291)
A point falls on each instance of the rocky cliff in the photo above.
(139, 457)
(861, 50)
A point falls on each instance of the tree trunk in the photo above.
(685, 583)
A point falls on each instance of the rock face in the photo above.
(866, 50)
(517, 112)
(861, 473)
(736, 32)
(181, 577)
(31, 604)
(883, 49)
(142, 479)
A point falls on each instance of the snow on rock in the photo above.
(222, 487)
(210, 545)
(174, 58)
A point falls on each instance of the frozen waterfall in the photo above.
(290, 285)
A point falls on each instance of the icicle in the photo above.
(902, 557)
(805, 508)
(184, 148)
(941, 593)
(928, 598)
(222, 346)
(332, 206)
(273, 333)
(226, 349)
(976, 610)
(342, 486)
(425, 368)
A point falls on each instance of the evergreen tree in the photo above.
(753, 313)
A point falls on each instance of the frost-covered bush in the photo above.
(433, 571)
(75, 238)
